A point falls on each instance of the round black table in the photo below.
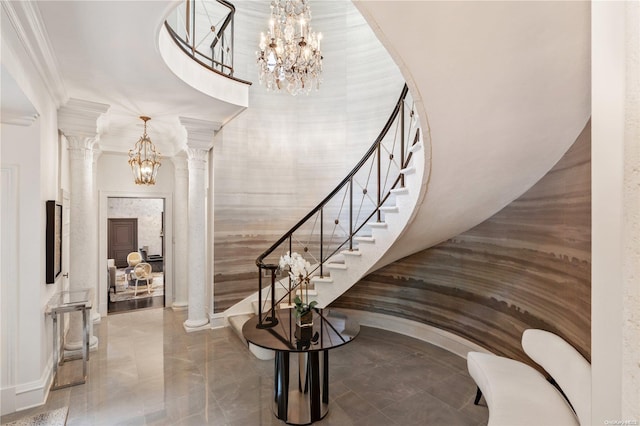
(306, 399)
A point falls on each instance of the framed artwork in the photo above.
(54, 241)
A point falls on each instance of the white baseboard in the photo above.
(444, 339)
(7, 401)
(28, 395)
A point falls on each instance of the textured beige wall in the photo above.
(631, 274)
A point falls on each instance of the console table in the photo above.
(305, 399)
(60, 304)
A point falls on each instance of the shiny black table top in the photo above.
(329, 330)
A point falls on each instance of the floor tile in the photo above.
(148, 371)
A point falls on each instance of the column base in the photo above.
(179, 306)
(196, 325)
(75, 348)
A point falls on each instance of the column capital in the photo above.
(79, 118)
(81, 147)
(197, 158)
(200, 132)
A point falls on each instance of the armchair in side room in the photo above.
(111, 271)
(155, 260)
(142, 272)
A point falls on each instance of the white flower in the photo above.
(298, 267)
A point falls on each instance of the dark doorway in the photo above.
(122, 239)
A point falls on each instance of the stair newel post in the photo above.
(351, 213)
(402, 141)
(259, 296)
(378, 213)
(271, 320)
(289, 295)
(274, 268)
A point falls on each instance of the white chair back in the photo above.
(134, 258)
(142, 271)
(565, 364)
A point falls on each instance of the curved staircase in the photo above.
(352, 228)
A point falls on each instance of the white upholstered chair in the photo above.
(133, 258)
(566, 365)
(142, 272)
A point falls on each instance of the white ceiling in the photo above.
(107, 52)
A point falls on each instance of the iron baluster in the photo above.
(351, 213)
(259, 296)
(321, 241)
(379, 179)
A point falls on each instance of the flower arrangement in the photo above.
(299, 272)
(298, 267)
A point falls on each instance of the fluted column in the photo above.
(197, 247)
(181, 224)
(77, 121)
(199, 142)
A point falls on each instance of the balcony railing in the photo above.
(204, 30)
(334, 223)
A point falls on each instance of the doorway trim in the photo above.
(102, 241)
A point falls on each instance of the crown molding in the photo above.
(27, 23)
(200, 132)
(18, 119)
(79, 117)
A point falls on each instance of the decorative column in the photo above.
(77, 121)
(199, 142)
(97, 152)
(180, 225)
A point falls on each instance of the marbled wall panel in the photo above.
(528, 266)
(149, 214)
(235, 256)
(236, 272)
(279, 158)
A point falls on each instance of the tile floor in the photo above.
(148, 371)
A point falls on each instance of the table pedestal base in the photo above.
(302, 398)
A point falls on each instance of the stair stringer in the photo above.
(340, 280)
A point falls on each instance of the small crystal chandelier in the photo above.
(144, 159)
(290, 53)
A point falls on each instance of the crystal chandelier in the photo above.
(144, 159)
(290, 56)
